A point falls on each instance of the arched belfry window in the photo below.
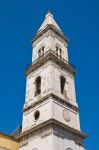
(41, 51)
(38, 86)
(62, 84)
(58, 50)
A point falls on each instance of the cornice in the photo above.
(53, 28)
(56, 98)
(53, 124)
(50, 55)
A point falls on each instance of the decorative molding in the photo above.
(51, 124)
(58, 134)
(66, 115)
(53, 28)
(50, 33)
(56, 98)
(24, 143)
(50, 55)
(46, 134)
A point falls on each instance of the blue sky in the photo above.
(19, 21)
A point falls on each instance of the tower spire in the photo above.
(49, 20)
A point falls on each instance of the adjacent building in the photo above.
(8, 142)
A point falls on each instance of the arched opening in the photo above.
(41, 51)
(38, 86)
(60, 52)
(57, 50)
(62, 84)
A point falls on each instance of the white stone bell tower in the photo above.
(50, 113)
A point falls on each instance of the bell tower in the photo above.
(50, 113)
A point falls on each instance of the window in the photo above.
(36, 115)
(62, 84)
(58, 51)
(38, 86)
(41, 51)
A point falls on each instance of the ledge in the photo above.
(53, 28)
(56, 98)
(50, 55)
(54, 123)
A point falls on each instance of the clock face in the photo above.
(66, 115)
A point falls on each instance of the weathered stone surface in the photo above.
(57, 126)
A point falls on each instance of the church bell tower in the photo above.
(50, 113)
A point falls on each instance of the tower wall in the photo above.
(51, 109)
(50, 74)
(50, 113)
(49, 40)
(52, 138)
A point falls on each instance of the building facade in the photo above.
(50, 113)
(8, 142)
